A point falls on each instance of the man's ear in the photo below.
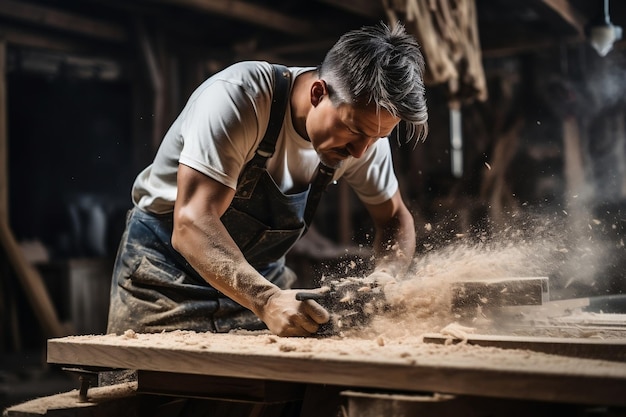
(318, 90)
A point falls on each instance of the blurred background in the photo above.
(527, 139)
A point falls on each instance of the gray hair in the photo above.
(381, 65)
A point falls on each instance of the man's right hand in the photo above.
(286, 316)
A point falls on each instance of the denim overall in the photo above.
(154, 288)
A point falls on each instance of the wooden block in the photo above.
(469, 295)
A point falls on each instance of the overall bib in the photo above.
(154, 288)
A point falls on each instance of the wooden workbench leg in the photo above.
(322, 401)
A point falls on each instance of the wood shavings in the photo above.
(455, 330)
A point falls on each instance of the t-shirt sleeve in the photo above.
(219, 131)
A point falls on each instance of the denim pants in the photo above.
(155, 289)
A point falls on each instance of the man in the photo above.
(222, 203)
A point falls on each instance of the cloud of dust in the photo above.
(558, 247)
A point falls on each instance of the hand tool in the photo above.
(352, 302)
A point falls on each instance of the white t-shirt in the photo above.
(220, 128)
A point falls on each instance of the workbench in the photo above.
(367, 377)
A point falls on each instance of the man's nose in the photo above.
(358, 147)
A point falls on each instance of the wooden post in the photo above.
(29, 277)
(574, 163)
(4, 183)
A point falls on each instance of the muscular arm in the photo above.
(200, 236)
(394, 241)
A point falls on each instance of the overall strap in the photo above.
(323, 174)
(282, 78)
(322, 177)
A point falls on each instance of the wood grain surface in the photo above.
(405, 364)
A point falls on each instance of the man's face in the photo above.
(338, 133)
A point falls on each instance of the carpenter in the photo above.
(237, 176)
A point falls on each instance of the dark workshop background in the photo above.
(89, 87)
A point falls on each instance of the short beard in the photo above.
(330, 164)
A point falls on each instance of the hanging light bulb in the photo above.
(602, 33)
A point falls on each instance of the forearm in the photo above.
(211, 251)
(394, 244)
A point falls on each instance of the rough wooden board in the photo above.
(556, 308)
(468, 295)
(612, 349)
(407, 365)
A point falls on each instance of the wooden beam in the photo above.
(569, 14)
(367, 8)
(55, 19)
(248, 12)
(37, 39)
(154, 64)
(518, 46)
(559, 24)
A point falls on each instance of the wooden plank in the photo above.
(556, 308)
(609, 349)
(401, 365)
(468, 295)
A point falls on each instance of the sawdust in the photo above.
(421, 302)
(535, 247)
